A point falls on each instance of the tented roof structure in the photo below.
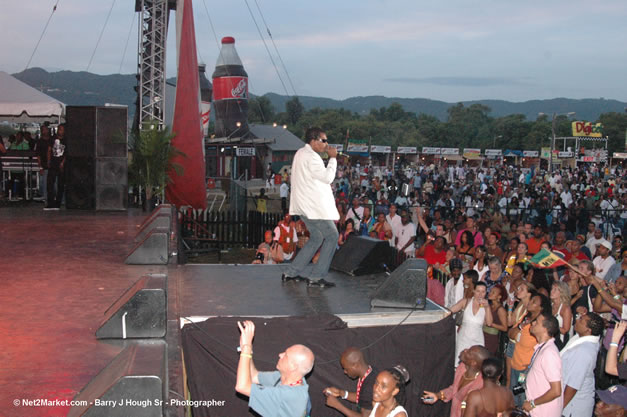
(21, 103)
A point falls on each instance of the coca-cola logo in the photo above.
(240, 90)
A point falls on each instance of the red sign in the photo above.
(230, 88)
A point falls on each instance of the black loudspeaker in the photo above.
(362, 255)
(80, 189)
(111, 180)
(98, 135)
(132, 384)
(80, 131)
(405, 288)
(111, 125)
(139, 312)
(96, 132)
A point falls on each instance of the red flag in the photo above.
(189, 188)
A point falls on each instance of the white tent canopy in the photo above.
(21, 103)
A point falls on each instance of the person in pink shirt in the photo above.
(543, 383)
(467, 378)
(472, 228)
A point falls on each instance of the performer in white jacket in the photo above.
(312, 199)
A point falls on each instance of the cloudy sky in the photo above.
(446, 50)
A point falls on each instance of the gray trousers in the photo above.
(322, 234)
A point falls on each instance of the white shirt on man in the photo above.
(356, 214)
(601, 265)
(396, 224)
(453, 292)
(405, 233)
(312, 195)
(592, 244)
(284, 190)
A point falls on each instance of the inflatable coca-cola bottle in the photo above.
(205, 98)
(230, 92)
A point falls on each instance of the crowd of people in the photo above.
(48, 148)
(549, 335)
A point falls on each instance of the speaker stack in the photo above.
(97, 158)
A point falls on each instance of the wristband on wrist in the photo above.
(246, 355)
(345, 396)
(614, 344)
(532, 403)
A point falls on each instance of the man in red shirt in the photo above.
(535, 242)
(433, 251)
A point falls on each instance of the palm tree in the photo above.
(151, 159)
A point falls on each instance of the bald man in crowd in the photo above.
(355, 367)
(281, 393)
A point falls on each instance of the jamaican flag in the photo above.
(547, 259)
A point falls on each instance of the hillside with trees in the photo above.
(464, 126)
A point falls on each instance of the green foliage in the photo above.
(260, 110)
(152, 155)
(466, 127)
(294, 110)
(614, 127)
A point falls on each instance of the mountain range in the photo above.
(84, 88)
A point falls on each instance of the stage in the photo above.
(62, 270)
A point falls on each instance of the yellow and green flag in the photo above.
(547, 259)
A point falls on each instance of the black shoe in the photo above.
(320, 283)
(285, 278)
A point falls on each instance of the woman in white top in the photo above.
(476, 314)
(388, 393)
(480, 263)
(560, 303)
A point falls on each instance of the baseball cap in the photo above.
(606, 244)
(456, 263)
(616, 394)
(581, 238)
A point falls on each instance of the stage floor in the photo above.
(213, 290)
(62, 270)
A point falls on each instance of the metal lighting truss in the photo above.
(153, 33)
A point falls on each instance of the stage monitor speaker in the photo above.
(405, 288)
(361, 255)
(132, 384)
(151, 250)
(80, 190)
(139, 312)
(160, 218)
